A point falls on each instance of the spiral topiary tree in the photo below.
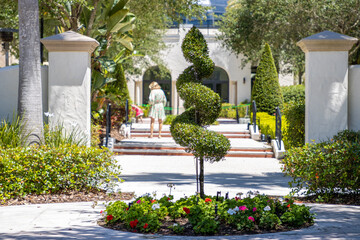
(202, 105)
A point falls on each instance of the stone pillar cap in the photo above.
(70, 42)
(327, 41)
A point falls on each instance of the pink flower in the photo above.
(254, 209)
(251, 218)
(243, 208)
(138, 201)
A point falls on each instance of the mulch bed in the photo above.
(223, 230)
(71, 196)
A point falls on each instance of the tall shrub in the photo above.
(202, 105)
(266, 90)
(293, 93)
(295, 129)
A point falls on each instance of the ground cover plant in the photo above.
(209, 216)
(328, 169)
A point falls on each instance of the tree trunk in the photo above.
(30, 94)
(201, 177)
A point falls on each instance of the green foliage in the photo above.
(266, 90)
(269, 221)
(294, 113)
(286, 22)
(326, 168)
(46, 169)
(95, 135)
(203, 105)
(294, 93)
(227, 111)
(241, 214)
(267, 126)
(58, 136)
(169, 119)
(10, 133)
(298, 216)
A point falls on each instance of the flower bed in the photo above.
(209, 216)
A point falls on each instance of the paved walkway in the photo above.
(153, 173)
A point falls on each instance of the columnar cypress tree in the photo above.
(266, 90)
(202, 105)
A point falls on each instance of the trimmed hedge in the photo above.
(326, 168)
(267, 126)
(266, 90)
(295, 117)
(44, 169)
(294, 93)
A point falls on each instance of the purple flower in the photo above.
(254, 209)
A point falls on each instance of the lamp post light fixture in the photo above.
(218, 194)
(244, 80)
(227, 195)
(6, 36)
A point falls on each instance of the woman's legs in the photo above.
(160, 127)
(151, 127)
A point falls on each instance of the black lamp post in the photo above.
(6, 36)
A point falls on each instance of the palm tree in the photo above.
(30, 93)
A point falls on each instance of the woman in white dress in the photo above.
(157, 101)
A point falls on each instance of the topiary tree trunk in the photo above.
(266, 90)
(202, 105)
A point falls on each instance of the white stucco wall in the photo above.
(69, 90)
(9, 82)
(326, 91)
(354, 97)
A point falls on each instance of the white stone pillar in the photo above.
(326, 84)
(69, 98)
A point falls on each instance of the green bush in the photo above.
(227, 111)
(10, 134)
(267, 126)
(294, 113)
(266, 90)
(326, 168)
(294, 93)
(45, 169)
(58, 136)
(148, 214)
(169, 119)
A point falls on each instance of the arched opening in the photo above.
(162, 76)
(219, 83)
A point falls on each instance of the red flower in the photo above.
(101, 211)
(186, 210)
(146, 225)
(133, 223)
(237, 198)
(127, 209)
(288, 205)
(208, 200)
(169, 199)
(152, 201)
(110, 217)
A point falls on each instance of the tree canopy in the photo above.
(248, 24)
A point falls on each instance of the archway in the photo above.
(219, 83)
(162, 76)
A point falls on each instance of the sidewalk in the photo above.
(146, 174)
